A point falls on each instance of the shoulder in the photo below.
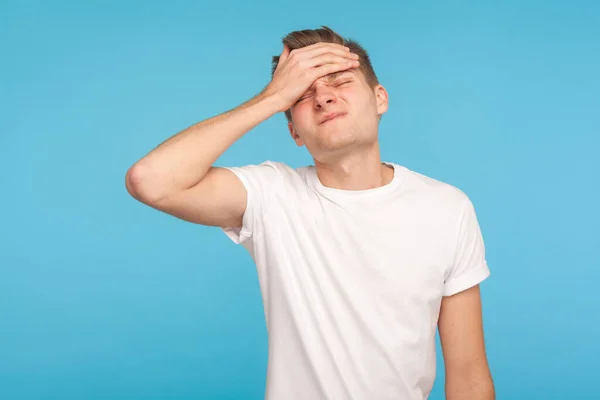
(435, 193)
(267, 169)
(286, 172)
(272, 173)
(277, 166)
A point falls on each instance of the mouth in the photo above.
(330, 117)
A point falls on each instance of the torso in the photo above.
(352, 292)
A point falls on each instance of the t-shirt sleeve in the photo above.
(469, 266)
(259, 181)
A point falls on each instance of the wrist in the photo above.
(271, 101)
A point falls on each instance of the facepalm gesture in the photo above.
(298, 69)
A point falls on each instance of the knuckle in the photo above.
(301, 63)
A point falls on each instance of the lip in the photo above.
(330, 116)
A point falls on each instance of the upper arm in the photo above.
(461, 335)
(469, 266)
(219, 199)
(461, 328)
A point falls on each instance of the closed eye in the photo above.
(303, 98)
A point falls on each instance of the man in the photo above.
(359, 260)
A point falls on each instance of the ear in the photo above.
(381, 96)
(294, 134)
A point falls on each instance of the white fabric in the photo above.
(352, 281)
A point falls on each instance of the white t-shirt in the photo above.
(352, 281)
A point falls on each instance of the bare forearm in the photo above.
(182, 160)
(464, 388)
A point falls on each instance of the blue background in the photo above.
(102, 297)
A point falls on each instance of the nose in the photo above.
(324, 97)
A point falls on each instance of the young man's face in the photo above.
(338, 113)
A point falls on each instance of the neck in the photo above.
(355, 171)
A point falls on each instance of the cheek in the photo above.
(302, 114)
(368, 103)
(358, 104)
(357, 98)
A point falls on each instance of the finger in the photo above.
(316, 53)
(285, 53)
(322, 46)
(327, 69)
(282, 57)
(329, 58)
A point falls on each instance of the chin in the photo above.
(337, 142)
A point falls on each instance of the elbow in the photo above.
(140, 185)
(133, 181)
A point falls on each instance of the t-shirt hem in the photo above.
(240, 234)
(237, 235)
(467, 280)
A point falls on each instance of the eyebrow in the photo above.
(332, 77)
